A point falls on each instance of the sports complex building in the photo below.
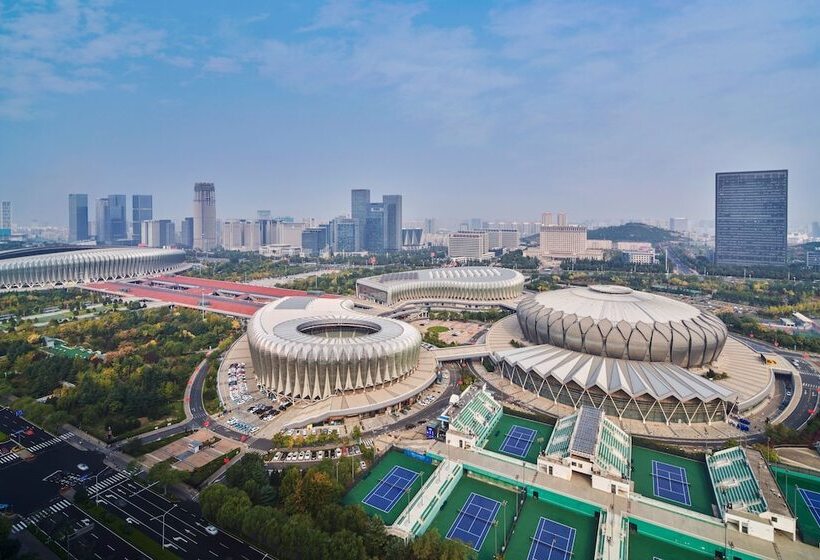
(468, 283)
(632, 354)
(51, 267)
(506, 484)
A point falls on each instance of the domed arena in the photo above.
(618, 322)
(633, 354)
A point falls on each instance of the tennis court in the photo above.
(519, 437)
(466, 516)
(518, 441)
(547, 530)
(551, 541)
(474, 520)
(802, 490)
(391, 488)
(375, 495)
(669, 482)
(812, 500)
(645, 546)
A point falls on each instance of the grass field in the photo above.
(450, 510)
(506, 422)
(371, 479)
(585, 525)
(789, 481)
(700, 485)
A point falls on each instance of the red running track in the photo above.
(250, 289)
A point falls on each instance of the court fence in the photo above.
(683, 540)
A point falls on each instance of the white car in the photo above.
(211, 530)
(82, 467)
(363, 465)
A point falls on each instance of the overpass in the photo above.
(457, 353)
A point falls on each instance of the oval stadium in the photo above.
(61, 266)
(314, 348)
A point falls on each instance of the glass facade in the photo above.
(751, 218)
(77, 217)
(142, 210)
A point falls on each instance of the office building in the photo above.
(314, 241)
(204, 216)
(118, 225)
(157, 233)
(102, 222)
(373, 233)
(142, 209)
(815, 230)
(468, 245)
(186, 233)
(77, 217)
(751, 217)
(679, 225)
(813, 258)
(429, 225)
(240, 235)
(391, 209)
(345, 235)
(263, 214)
(5, 214)
(379, 223)
(563, 241)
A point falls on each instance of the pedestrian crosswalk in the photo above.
(50, 442)
(40, 515)
(8, 457)
(107, 482)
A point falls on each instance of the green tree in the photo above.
(165, 475)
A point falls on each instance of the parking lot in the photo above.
(313, 455)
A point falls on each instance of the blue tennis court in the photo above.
(812, 500)
(551, 541)
(518, 441)
(474, 520)
(669, 482)
(391, 488)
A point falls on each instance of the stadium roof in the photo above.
(659, 380)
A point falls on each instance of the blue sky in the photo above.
(501, 110)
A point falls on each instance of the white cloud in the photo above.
(222, 65)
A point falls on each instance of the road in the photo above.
(31, 482)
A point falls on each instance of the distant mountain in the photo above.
(632, 231)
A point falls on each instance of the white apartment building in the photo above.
(468, 245)
(503, 238)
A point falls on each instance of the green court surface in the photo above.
(392, 458)
(585, 525)
(69, 351)
(789, 481)
(700, 485)
(651, 542)
(450, 510)
(507, 421)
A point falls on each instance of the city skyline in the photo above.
(555, 107)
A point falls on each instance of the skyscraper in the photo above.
(204, 216)
(373, 234)
(186, 233)
(346, 235)
(562, 219)
(118, 224)
(141, 210)
(751, 218)
(77, 217)
(359, 211)
(5, 214)
(391, 211)
(102, 222)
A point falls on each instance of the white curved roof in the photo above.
(617, 303)
(635, 378)
(463, 274)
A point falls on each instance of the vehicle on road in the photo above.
(82, 467)
(211, 530)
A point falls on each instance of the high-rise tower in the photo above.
(204, 216)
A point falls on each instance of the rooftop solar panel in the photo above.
(585, 434)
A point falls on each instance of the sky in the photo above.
(604, 110)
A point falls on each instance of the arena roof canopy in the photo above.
(44, 270)
(469, 283)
